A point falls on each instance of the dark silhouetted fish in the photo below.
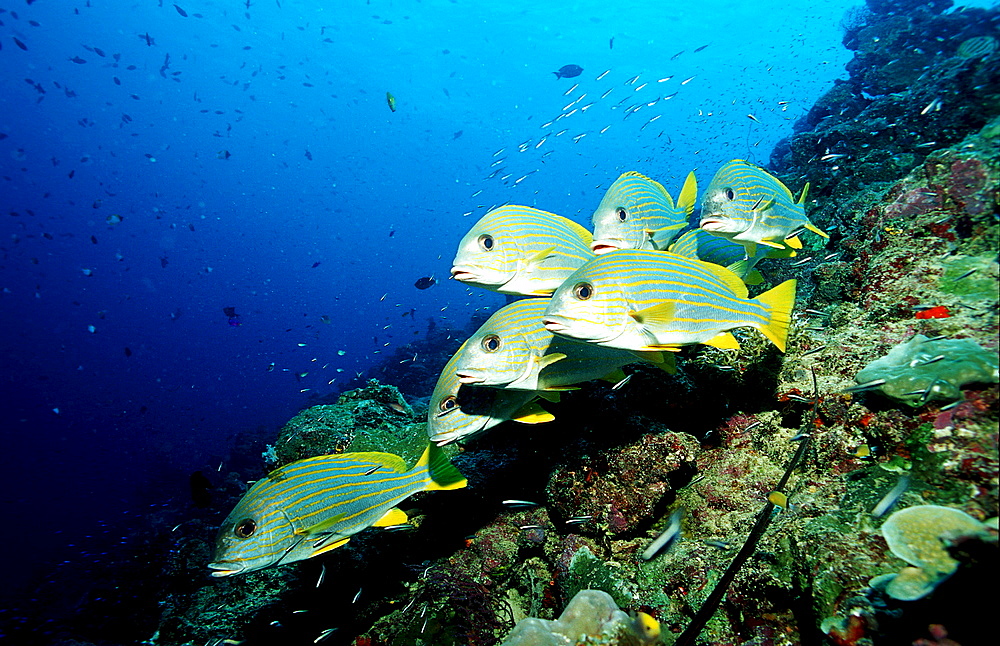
(425, 282)
(568, 71)
(181, 11)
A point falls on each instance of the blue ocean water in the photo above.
(160, 162)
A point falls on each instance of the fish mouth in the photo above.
(553, 325)
(469, 378)
(712, 224)
(600, 247)
(224, 568)
(462, 274)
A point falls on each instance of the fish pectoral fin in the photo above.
(394, 516)
(812, 227)
(662, 314)
(615, 376)
(324, 525)
(724, 341)
(763, 206)
(532, 413)
(321, 548)
(539, 257)
(548, 359)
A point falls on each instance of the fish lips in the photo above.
(607, 245)
(561, 325)
(226, 568)
(469, 377)
(713, 224)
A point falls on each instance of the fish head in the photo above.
(726, 206)
(504, 351)
(456, 410)
(486, 255)
(632, 211)
(590, 306)
(256, 534)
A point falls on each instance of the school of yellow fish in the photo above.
(638, 288)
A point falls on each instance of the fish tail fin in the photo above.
(779, 303)
(443, 474)
(688, 195)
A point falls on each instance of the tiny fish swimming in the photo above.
(312, 506)
(748, 205)
(656, 300)
(521, 250)
(638, 213)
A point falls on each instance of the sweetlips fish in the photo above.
(514, 351)
(658, 300)
(701, 245)
(521, 250)
(456, 411)
(312, 506)
(638, 213)
(748, 205)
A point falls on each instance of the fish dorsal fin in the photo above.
(731, 279)
(615, 376)
(548, 359)
(794, 242)
(636, 174)
(579, 230)
(662, 314)
(532, 413)
(652, 181)
(390, 460)
(688, 195)
(812, 227)
(724, 341)
(805, 191)
(322, 549)
(394, 516)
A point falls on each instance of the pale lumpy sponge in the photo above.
(921, 369)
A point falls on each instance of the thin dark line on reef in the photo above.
(704, 614)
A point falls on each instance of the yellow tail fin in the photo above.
(779, 303)
(444, 476)
(689, 194)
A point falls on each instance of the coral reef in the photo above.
(920, 535)
(591, 617)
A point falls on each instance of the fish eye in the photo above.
(245, 528)
(448, 403)
(491, 343)
(486, 242)
(622, 214)
(583, 291)
(730, 194)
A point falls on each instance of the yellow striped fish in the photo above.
(977, 47)
(513, 350)
(657, 300)
(521, 250)
(315, 505)
(638, 213)
(698, 244)
(456, 411)
(746, 204)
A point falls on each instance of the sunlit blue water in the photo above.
(260, 167)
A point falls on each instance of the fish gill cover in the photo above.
(219, 215)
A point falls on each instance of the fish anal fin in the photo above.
(773, 245)
(661, 348)
(549, 395)
(724, 341)
(323, 549)
(652, 356)
(394, 516)
(615, 376)
(532, 413)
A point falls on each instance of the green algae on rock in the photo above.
(591, 617)
(923, 369)
(920, 536)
